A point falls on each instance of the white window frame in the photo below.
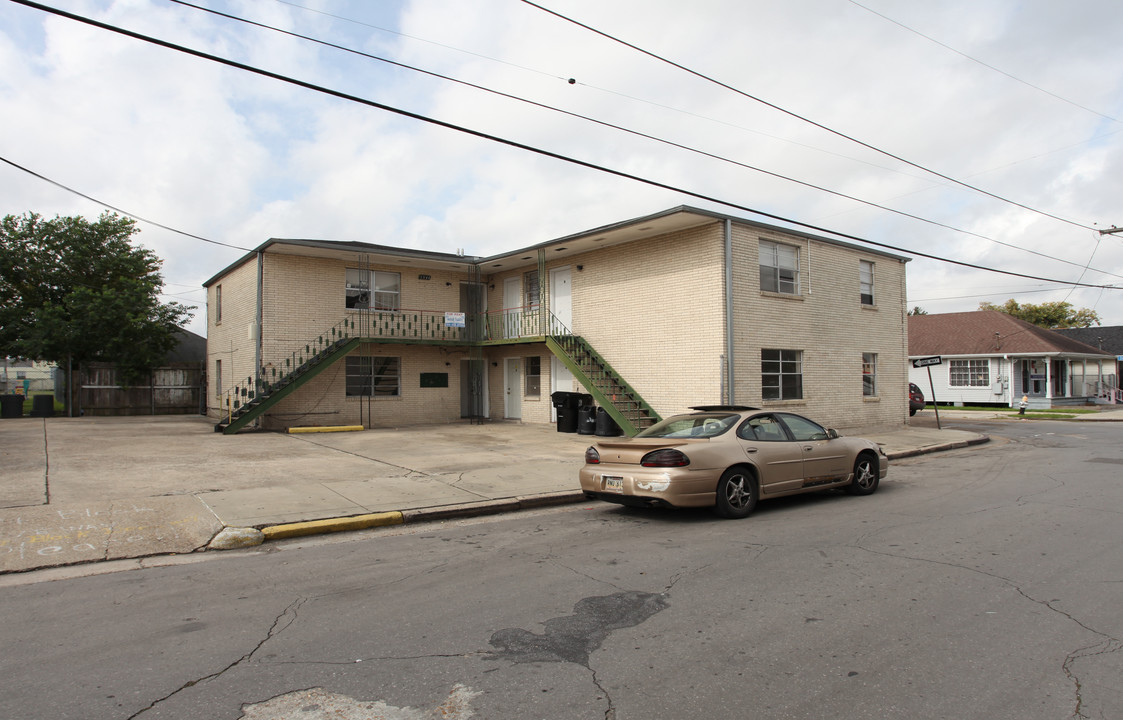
(971, 372)
(869, 374)
(865, 282)
(385, 288)
(779, 268)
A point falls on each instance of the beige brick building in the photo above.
(649, 316)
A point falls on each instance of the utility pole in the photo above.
(1111, 231)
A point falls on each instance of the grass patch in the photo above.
(1069, 412)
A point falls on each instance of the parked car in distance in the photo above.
(728, 457)
(916, 399)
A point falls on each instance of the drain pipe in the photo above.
(729, 309)
(257, 326)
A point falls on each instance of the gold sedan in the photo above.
(729, 457)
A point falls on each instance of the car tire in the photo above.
(912, 411)
(737, 493)
(866, 471)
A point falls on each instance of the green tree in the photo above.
(76, 290)
(917, 310)
(1047, 315)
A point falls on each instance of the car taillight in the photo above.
(592, 457)
(665, 458)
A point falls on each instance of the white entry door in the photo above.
(512, 312)
(561, 299)
(512, 383)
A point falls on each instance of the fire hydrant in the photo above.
(1023, 405)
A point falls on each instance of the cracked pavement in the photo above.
(972, 585)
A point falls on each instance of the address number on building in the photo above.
(927, 362)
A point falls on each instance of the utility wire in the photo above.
(111, 207)
(797, 116)
(980, 62)
(514, 144)
(626, 130)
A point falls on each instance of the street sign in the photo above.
(928, 361)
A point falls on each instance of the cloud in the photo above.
(239, 158)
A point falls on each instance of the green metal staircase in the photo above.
(249, 400)
(630, 411)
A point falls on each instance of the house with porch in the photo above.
(1108, 339)
(649, 316)
(991, 358)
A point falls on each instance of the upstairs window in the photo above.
(217, 304)
(373, 290)
(532, 296)
(779, 268)
(865, 281)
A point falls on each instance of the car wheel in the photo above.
(865, 480)
(736, 494)
(912, 411)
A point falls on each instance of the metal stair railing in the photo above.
(619, 399)
(244, 402)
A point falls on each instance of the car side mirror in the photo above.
(832, 433)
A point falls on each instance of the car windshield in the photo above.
(691, 426)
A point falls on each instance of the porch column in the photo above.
(1048, 378)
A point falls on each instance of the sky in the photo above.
(889, 108)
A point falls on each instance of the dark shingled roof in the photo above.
(986, 332)
(1109, 339)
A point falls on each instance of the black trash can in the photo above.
(566, 403)
(586, 420)
(43, 406)
(605, 425)
(11, 406)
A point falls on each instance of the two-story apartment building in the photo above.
(650, 316)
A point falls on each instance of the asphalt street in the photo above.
(976, 583)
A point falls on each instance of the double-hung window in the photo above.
(869, 374)
(865, 281)
(533, 376)
(373, 290)
(779, 268)
(781, 373)
(373, 376)
(532, 295)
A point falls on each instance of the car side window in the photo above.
(764, 428)
(803, 429)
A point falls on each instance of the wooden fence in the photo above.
(173, 390)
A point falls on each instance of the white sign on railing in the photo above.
(454, 319)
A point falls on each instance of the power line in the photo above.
(111, 207)
(986, 65)
(797, 116)
(514, 144)
(620, 128)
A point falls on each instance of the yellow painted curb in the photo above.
(327, 428)
(315, 527)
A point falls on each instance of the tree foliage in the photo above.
(917, 310)
(1047, 315)
(76, 290)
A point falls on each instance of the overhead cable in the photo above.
(514, 144)
(802, 118)
(630, 131)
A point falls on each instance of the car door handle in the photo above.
(807, 448)
(750, 450)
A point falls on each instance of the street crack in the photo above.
(280, 624)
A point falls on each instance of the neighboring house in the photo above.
(25, 377)
(1105, 339)
(649, 316)
(989, 357)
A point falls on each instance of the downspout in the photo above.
(257, 327)
(729, 310)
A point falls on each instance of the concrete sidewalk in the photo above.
(76, 490)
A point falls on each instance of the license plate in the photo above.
(613, 483)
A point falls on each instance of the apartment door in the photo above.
(473, 389)
(473, 303)
(512, 310)
(560, 379)
(512, 393)
(561, 300)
